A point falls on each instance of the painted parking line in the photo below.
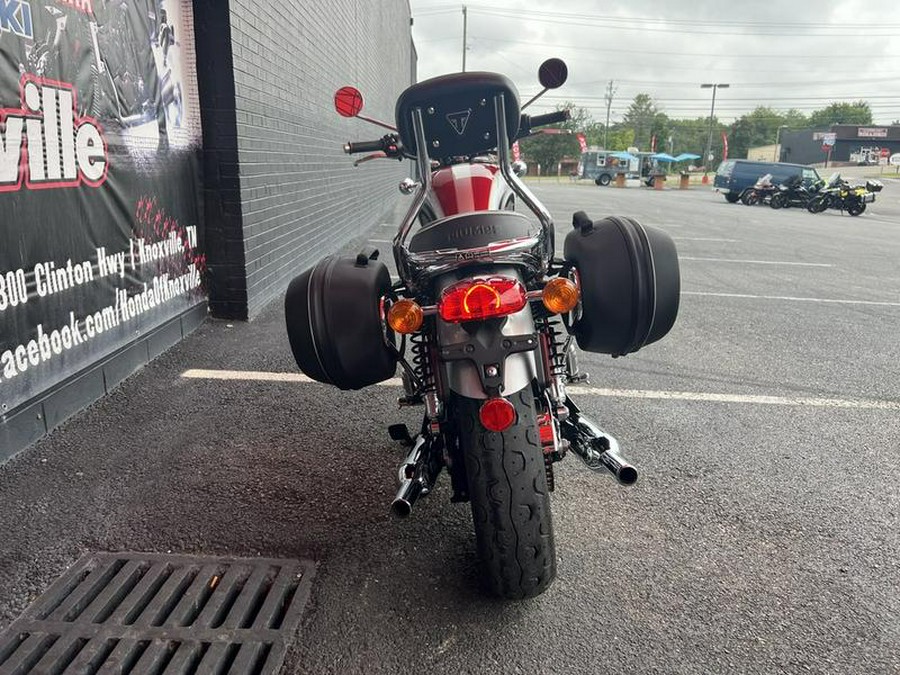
(739, 398)
(728, 241)
(703, 397)
(755, 262)
(790, 298)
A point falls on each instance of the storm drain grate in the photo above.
(153, 614)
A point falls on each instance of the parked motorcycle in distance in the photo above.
(760, 192)
(794, 192)
(839, 194)
(484, 318)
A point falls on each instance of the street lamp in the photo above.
(712, 111)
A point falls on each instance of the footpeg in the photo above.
(400, 432)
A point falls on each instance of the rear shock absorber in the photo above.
(423, 367)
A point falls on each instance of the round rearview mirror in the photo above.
(553, 73)
(348, 101)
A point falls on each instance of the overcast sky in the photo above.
(800, 55)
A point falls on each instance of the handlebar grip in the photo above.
(550, 118)
(365, 146)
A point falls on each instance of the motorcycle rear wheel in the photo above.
(817, 205)
(856, 209)
(510, 499)
(778, 200)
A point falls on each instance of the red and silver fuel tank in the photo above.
(463, 188)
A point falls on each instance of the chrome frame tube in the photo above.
(423, 161)
(517, 185)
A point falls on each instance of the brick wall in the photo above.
(276, 177)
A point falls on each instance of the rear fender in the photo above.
(462, 346)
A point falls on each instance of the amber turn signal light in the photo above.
(560, 295)
(405, 316)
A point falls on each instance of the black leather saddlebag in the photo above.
(334, 322)
(630, 283)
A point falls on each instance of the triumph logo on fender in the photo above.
(15, 17)
(45, 144)
(458, 120)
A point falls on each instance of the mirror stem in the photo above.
(535, 98)
(377, 122)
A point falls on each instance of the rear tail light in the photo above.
(497, 414)
(482, 298)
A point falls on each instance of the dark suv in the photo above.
(736, 175)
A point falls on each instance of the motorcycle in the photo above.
(839, 194)
(760, 192)
(484, 318)
(794, 193)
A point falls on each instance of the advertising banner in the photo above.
(99, 182)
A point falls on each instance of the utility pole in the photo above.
(610, 92)
(465, 25)
(712, 112)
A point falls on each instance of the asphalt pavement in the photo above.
(762, 537)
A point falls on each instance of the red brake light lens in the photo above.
(497, 414)
(482, 298)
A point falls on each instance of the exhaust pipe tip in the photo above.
(401, 509)
(627, 475)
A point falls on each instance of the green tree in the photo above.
(842, 113)
(688, 136)
(762, 126)
(642, 116)
(621, 137)
(549, 146)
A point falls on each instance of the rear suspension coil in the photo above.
(556, 345)
(420, 345)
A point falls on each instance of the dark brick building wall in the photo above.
(280, 193)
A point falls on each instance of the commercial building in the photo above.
(841, 143)
(167, 159)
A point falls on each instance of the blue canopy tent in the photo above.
(663, 157)
(622, 155)
(685, 156)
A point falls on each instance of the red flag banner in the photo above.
(724, 146)
(516, 152)
(582, 141)
(653, 143)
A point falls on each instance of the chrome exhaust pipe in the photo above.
(598, 450)
(417, 475)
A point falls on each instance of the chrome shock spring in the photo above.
(420, 346)
(556, 343)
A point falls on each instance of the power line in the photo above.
(685, 27)
(687, 22)
(682, 53)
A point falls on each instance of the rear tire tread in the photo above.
(510, 501)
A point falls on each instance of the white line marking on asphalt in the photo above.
(755, 262)
(739, 398)
(793, 299)
(730, 241)
(256, 376)
(380, 241)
